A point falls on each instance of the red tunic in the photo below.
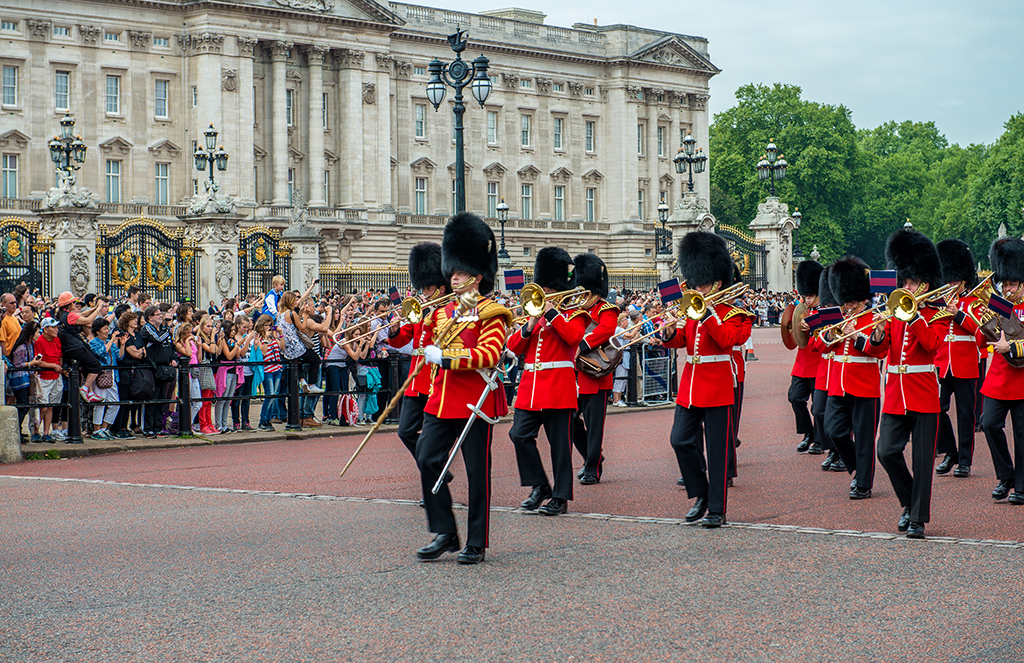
(606, 317)
(1004, 382)
(708, 377)
(826, 366)
(549, 377)
(806, 363)
(417, 333)
(911, 384)
(739, 352)
(959, 351)
(471, 346)
(855, 372)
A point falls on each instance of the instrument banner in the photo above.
(396, 297)
(1000, 306)
(669, 291)
(883, 280)
(515, 279)
(824, 317)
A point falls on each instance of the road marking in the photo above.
(887, 536)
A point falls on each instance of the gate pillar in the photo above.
(73, 232)
(216, 238)
(774, 226)
(304, 241)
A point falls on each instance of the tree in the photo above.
(996, 192)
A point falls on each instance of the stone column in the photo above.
(305, 265)
(279, 53)
(350, 89)
(244, 160)
(774, 225)
(73, 260)
(315, 57)
(699, 117)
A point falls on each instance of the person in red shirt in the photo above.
(425, 275)
(911, 408)
(50, 352)
(588, 424)
(1004, 384)
(547, 394)
(805, 367)
(463, 353)
(707, 384)
(851, 413)
(826, 367)
(958, 360)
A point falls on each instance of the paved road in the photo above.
(107, 571)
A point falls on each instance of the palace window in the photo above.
(492, 127)
(162, 183)
(160, 105)
(559, 203)
(10, 176)
(113, 181)
(557, 133)
(420, 120)
(524, 133)
(591, 203)
(113, 95)
(10, 86)
(61, 31)
(61, 90)
(420, 198)
(492, 200)
(591, 135)
(527, 200)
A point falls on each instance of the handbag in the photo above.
(304, 337)
(599, 361)
(163, 373)
(105, 380)
(143, 385)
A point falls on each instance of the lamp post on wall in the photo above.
(664, 234)
(687, 161)
(502, 209)
(457, 74)
(67, 147)
(208, 157)
(797, 220)
(771, 167)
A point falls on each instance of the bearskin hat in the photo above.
(425, 266)
(704, 259)
(849, 281)
(468, 246)
(592, 274)
(554, 269)
(1007, 259)
(808, 275)
(957, 262)
(914, 258)
(825, 296)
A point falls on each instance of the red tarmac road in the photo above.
(776, 485)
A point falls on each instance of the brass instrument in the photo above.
(532, 299)
(993, 325)
(695, 305)
(412, 312)
(467, 302)
(902, 305)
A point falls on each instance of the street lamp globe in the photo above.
(436, 87)
(222, 158)
(700, 161)
(67, 126)
(481, 86)
(502, 209)
(797, 217)
(771, 150)
(781, 166)
(764, 169)
(689, 143)
(56, 150)
(200, 157)
(680, 161)
(663, 212)
(78, 149)
(211, 138)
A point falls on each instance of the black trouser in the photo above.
(588, 429)
(240, 406)
(818, 413)
(799, 392)
(993, 422)
(718, 441)
(557, 426)
(736, 409)
(432, 451)
(155, 412)
(921, 428)
(964, 390)
(851, 422)
(410, 421)
(979, 400)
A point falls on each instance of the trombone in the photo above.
(532, 299)
(695, 305)
(902, 305)
(412, 312)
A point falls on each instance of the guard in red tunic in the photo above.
(739, 364)
(958, 359)
(588, 425)
(822, 380)
(1004, 384)
(425, 275)
(462, 354)
(547, 391)
(911, 409)
(707, 385)
(851, 413)
(805, 367)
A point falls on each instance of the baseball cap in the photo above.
(48, 322)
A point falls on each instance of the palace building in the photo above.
(321, 107)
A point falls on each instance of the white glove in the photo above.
(432, 354)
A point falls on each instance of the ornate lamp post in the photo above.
(67, 148)
(664, 235)
(502, 209)
(457, 75)
(206, 158)
(797, 220)
(772, 166)
(686, 161)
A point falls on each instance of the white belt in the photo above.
(545, 365)
(847, 359)
(910, 368)
(419, 352)
(830, 355)
(707, 359)
(953, 337)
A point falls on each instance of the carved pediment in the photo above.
(593, 176)
(528, 173)
(495, 170)
(666, 179)
(295, 156)
(674, 52)
(116, 145)
(465, 164)
(561, 175)
(423, 165)
(14, 138)
(330, 158)
(164, 148)
(394, 163)
(365, 10)
(258, 154)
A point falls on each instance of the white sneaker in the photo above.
(303, 386)
(313, 389)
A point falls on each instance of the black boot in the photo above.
(539, 494)
(947, 464)
(805, 443)
(441, 544)
(698, 509)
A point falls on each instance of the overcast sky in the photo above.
(957, 63)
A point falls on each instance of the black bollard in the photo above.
(74, 406)
(293, 396)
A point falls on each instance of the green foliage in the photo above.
(856, 187)
(51, 454)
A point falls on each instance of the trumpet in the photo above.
(902, 305)
(532, 299)
(695, 305)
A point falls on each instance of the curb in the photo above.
(97, 447)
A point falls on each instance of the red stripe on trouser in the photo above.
(487, 510)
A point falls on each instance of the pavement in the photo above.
(259, 551)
